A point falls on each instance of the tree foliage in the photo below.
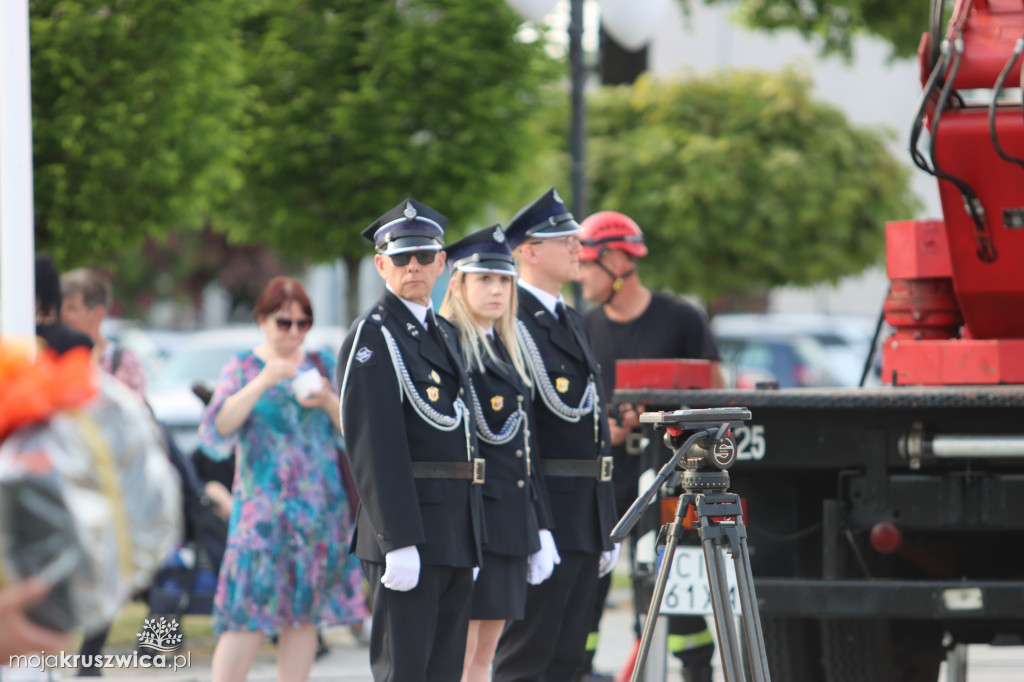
(836, 22)
(363, 103)
(136, 109)
(741, 179)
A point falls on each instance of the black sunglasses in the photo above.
(284, 324)
(422, 257)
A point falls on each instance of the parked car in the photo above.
(197, 360)
(788, 359)
(844, 339)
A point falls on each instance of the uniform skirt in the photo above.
(499, 592)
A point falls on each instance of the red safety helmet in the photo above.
(611, 230)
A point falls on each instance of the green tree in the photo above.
(137, 106)
(836, 22)
(741, 179)
(362, 103)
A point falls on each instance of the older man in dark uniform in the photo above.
(413, 452)
(572, 436)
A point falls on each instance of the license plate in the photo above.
(687, 590)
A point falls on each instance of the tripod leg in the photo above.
(725, 625)
(751, 617)
(655, 607)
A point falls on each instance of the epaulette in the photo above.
(377, 316)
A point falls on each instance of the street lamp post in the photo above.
(577, 127)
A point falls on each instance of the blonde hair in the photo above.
(474, 341)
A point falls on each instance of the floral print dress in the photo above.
(287, 561)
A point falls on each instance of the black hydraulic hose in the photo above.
(934, 29)
(869, 360)
(986, 249)
(1018, 48)
(918, 125)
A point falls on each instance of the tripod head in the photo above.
(684, 429)
(714, 425)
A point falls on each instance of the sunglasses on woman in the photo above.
(422, 257)
(284, 324)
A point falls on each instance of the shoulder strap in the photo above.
(318, 362)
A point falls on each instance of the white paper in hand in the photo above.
(307, 383)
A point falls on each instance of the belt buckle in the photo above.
(479, 470)
(635, 443)
(606, 470)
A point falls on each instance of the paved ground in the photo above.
(349, 662)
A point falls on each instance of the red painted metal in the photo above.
(662, 374)
(951, 362)
(943, 284)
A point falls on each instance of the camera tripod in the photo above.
(720, 523)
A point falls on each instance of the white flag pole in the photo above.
(17, 241)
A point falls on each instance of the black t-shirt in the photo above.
(670, 328)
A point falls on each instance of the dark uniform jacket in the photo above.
(583, 509)
(384, 434)
(515, 502)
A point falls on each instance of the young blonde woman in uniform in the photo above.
(481, 304)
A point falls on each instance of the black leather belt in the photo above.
(601, 468)
(470, 471)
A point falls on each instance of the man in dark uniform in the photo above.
(409, 437)
(572, 437)
(633, 322)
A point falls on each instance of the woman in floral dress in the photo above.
(287, 568)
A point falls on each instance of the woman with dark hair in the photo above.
(286, 569)
(481, 303)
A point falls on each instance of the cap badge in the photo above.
(499, 236)
(433, 394)
(497, 402)
(409, 212)
(561, 384)
(434, 376)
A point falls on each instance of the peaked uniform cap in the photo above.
(484, 251)
(409, 226)
(545, 218)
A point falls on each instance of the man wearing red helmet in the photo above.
(632, 322)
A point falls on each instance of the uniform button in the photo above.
(602, 444)
(519, 453)
(520, 483)
(462, 391)
(380, 535)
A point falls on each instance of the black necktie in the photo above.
(434, 330)
(563, 315)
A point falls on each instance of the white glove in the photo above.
(608, 560)
(542, 562)
(401, 569)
